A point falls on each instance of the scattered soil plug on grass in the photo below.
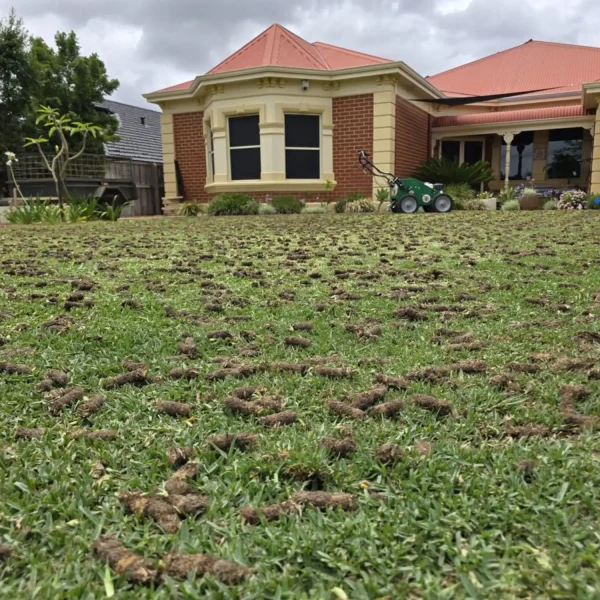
(242, 441)
(247, 408)
(23, 433)
(271, 512)
(594, 374)
(237, 372)
(516, 367)
(471, 346)
(5, 552)
(409, 313)
(393, 383)
(504, 382)
(89, 407)
(341, 448)
(570, 394)
(181, 373)
(219, 335)
(287, 417)
(389, 454)
(344, 410)
(246, 393)
(572, 364)
(137, 377)
(423, 447)
(521, 431)
(439, 407)
(14, 369)
(389, 410)
(129, 365)
(188, 348)
(298, 342)
(527, 466)
(588, 337)
(334, 372)
(154, 507)
(123, 561)
(65, 399)
(177, 457)
(303, 326)
(58, 378)
(324, 500)
(175, 409)
(431, 374)
(366, 399)
(181, 566)
(469, 367)
(289, 367)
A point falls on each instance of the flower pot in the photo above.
(490, 203)
(531, 203)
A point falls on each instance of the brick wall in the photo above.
(190, 154)
(413, 135)
(353, 131)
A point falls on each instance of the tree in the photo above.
(73, 84)
(17, 83)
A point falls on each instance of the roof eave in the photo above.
(591, 95)
(298, 73)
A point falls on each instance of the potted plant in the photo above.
(488, 200)
(530, 200)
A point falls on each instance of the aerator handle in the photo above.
(369, 167)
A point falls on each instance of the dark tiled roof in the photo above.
(139, 140)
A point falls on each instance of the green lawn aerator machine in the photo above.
(407, 195)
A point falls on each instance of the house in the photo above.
(284, 116)
(139, 132)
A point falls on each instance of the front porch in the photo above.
(553, 152)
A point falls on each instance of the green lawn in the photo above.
(477, 503)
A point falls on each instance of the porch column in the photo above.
(384, 130)
(595, 180)
(508, 138)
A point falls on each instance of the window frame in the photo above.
(210, 153)
(569, 177)
(231, 148)
(318, 148)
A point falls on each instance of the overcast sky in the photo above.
(150, 44)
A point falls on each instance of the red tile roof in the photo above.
(531, 66)
(279, 47)
(508, 116)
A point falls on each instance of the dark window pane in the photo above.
(451, 150)
(244, 131)
(245, 164)
(302, 164)
(521, 156)
(564, 153)
(302, 131)
(473, 152)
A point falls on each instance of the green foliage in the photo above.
(551, 205)
(340, 205)
(474, 204)
(53, 215)
(528, 192)
(17, 82)
(314, 209)
(442, 170)
(507, 195)
(382, 196)
(364, 205)
(31, 211)
(460, 193)
(287, 205)
(485, 196)
(233, 204)
(191, 209)
(511, 205)
(266, 209)
(83, 208)
(114, 210)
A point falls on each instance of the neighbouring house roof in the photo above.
(530, 66)
(139, 130)
(509, 116)
(279, 47)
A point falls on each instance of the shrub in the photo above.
(442, 170)
(191, 209)
(593, 201)
(233, 204)
(82, 208)
(287, 205)
(485, 196)
(459, 192)
(114, 210)
(572, 200)
(527, 191)
(507, 195)
(340, 205)
(266, 209)
(382, 196)
(364, 205)
(474, 204)
(550, 205)
(314, 209)
(511, 205)
(31, 211)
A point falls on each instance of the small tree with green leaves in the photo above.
(66, 128)
(382, 196)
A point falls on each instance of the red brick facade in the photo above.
(413, 135)
(190, 154)
(353, 131)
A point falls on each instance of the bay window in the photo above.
(244, 147)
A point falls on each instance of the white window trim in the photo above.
(210, 154)
(230, 149)
(318, 149)
(461, 152)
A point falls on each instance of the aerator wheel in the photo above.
(442, 204)
(407, 205)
